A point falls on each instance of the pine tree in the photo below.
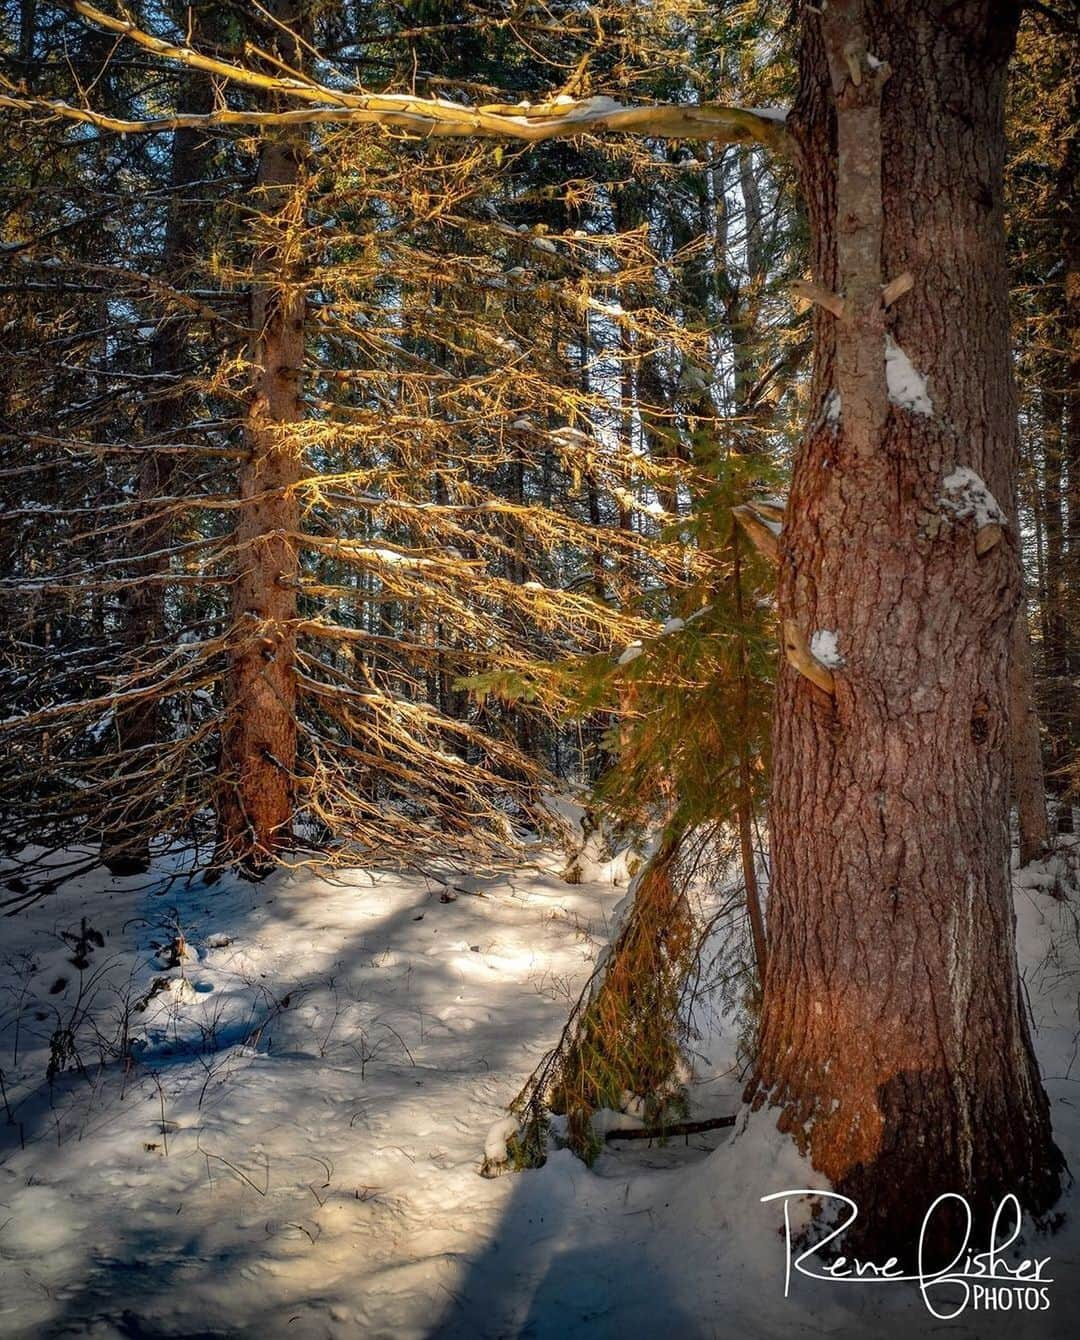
(892, 1003)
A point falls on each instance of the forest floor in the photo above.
(295, 1149)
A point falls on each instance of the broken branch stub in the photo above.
(896, 288)
(986, 537)
(811, 292)
(762, 536)
(800, 656)
(771, 509)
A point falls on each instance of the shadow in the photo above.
(225, 1240)
(557, 1269)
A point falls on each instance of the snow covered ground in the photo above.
(295, 1149)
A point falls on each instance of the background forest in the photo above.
(526, 391)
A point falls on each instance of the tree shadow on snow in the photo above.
(562, 1264)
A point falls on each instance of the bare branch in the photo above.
(434, 118)
(563, 118)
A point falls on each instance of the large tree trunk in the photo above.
(893, 1038)
(257, 797)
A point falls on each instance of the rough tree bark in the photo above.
(893, 1037)
(257, 797)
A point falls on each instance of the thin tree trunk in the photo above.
(1058, 693)
(257, 797)
(1029, 789)
(1069, 197)
(745, 803)
(893, 1036)
(133, 798)
(27, 35)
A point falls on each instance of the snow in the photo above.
(391, 557)
(510, 346)
(328, 1069)
(966, 495)
(294, 1148)
(183, 991)
(607, 1119)
(1048, 876)
(631, 653)
(587, 107)
(495, 1145)
(571, 437)
(823, 647)
(832, 407)
(907, 387)
(673, 625)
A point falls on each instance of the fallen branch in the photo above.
(679, 1128)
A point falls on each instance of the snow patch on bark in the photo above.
(907, 387)
(967, 495)
(823, 648)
